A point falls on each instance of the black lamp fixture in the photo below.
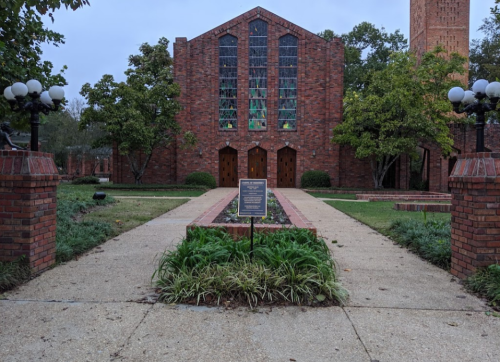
(44, 102)
(472, 102)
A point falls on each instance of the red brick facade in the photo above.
(319, 110)
(28, 182)
(440, 22)
(319, 105)
(475, 215)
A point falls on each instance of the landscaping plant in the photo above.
(201, 179)
(429, 239)
(486, 282)
(291, 265)
(73, 237)
(314, 179)
(13, 273)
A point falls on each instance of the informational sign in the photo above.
(252, 200)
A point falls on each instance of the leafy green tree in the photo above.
(402, 104)
(484, 58)
(60, 135)
(139, 114)
(21, 35)
(367, 49)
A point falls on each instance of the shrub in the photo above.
(291, 265)
(312, 179)
(73, 237)
(14, 273)
(486, 282)
(87, 180)
(431, 240)
(201, 178)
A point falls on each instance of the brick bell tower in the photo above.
(440, 22)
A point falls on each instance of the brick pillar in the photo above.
(475, 212)
(28, 183)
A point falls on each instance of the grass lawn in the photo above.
(333, 196)
(379, 215)
(126, 214)
(183, 193)
(136, 192)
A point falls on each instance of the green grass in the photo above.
(333, 196)
(127, 214)
(111, 217)
(380, 215)
(173, 193)
(486, 282)
(144, 187)
(145, 190)
(291, 265)
(13, 273)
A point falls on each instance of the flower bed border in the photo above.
(206, 219)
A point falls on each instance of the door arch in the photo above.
(257, 163)
(228, 167)
(287, 167)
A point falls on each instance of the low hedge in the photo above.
(87, 180)
(201, 178)
(312, 179)
(149, 187)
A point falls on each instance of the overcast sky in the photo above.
(100, 38)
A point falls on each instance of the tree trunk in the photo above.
(380, 168)
(137, 167)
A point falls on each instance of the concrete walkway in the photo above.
(96, 308)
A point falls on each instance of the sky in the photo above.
(99, 38)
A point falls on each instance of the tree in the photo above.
(138, 115)
(484, 58)
(402, 104)
(367, 49)
(61, 136)
(21, 36)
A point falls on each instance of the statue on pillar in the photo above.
(5, 132)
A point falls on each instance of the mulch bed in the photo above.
(275, 215)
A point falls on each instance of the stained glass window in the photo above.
(287, 103)
(228, 82)
(257, 119)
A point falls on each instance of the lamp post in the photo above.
(472, 102)
(44, 102)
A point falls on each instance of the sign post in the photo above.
(252, 202)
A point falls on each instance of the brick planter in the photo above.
(28, 183)
(237, 230)
(475, 234)
(423, 207)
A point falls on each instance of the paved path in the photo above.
(401, 308)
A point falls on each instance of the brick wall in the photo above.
(28, 183)
(475, 235)
(319, 105)
(440, 22)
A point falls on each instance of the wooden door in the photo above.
(287, 164)
(228, 167)
(257, 163)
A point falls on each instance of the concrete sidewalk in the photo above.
(96, 308)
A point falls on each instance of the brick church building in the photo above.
(263, 95)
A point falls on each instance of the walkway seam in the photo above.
(357, 334)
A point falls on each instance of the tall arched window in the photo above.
(257, 119)
(228, 82)
(287, 104)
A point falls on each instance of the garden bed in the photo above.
(237, 229)
(290, 266)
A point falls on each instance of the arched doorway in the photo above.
(287, 161)
(228, 167)
(257, 163)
